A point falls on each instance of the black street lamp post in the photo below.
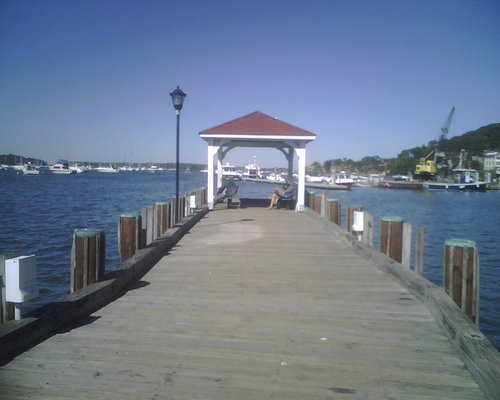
(177, 99)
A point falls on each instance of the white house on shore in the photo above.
(492, 161)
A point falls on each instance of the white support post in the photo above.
(289, 158)
(220, 157)
(212, 150)
(301, 158)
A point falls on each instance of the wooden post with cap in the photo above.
(88, 257)
(461, 275)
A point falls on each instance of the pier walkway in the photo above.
(251, 304)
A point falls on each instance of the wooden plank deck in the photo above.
(251, 304)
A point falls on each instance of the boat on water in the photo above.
(343, 179)
(109, 169)
(78, 169)
(465, 180)
(61, 167)
(30, 169)
(229, 171)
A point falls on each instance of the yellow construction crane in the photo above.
(426, 169)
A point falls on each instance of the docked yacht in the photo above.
(252, 171)
(107, 169)
(229, 171)
(30, 169)
(61, 167)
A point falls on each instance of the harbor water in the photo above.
(39, 214)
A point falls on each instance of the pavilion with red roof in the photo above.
(257, 130)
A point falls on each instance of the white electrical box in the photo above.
(20, 279)
(358, 225)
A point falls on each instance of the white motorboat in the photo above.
(77, 168)
(61, 167)
(252, 171)
(229, 171)
(109, 169)
(30, 169)
(344, 179)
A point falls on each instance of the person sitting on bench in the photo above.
(228, 189)
(286, 192)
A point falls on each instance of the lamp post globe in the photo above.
(177, 100)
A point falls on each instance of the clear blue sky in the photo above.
(90, 80)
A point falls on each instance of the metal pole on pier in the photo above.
(178, 100)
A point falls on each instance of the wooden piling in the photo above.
(461, 275)
(129, 233)
(334, 211)
(161, 218)
(148, 226)
(317, 204)
(368, 228)
(391, 237)
(178, 206)
(324, 209)
(406, 250)
(419, 252)
(88, 258)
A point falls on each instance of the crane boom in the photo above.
(446, 127)
(426, 169)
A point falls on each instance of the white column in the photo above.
(301, 160)
(290, 162)
(219, 167)
(212, 151)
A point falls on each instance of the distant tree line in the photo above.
(447, 151)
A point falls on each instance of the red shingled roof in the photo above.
(257, 124)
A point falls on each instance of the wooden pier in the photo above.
(251, 304)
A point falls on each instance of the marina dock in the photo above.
(251, 304)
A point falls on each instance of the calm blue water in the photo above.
(39, 214)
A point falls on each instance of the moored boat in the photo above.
(30, 169)
(61, 167)
(107, 169)
(229, 171)
(252, 171)
(464, 187)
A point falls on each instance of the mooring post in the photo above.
(178, 209)
(148, 226)
(168, 213)
(391, 237)
(161, 213)
(350, 217)
(317, 204)
(183, 206)
(419, 252)
(312, 195)
(461, 275)
(324, 210)
(88, 257)
(406, 257)
(368, 228)
(129, 234)
(334, 213)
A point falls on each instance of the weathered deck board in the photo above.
(251, 304)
